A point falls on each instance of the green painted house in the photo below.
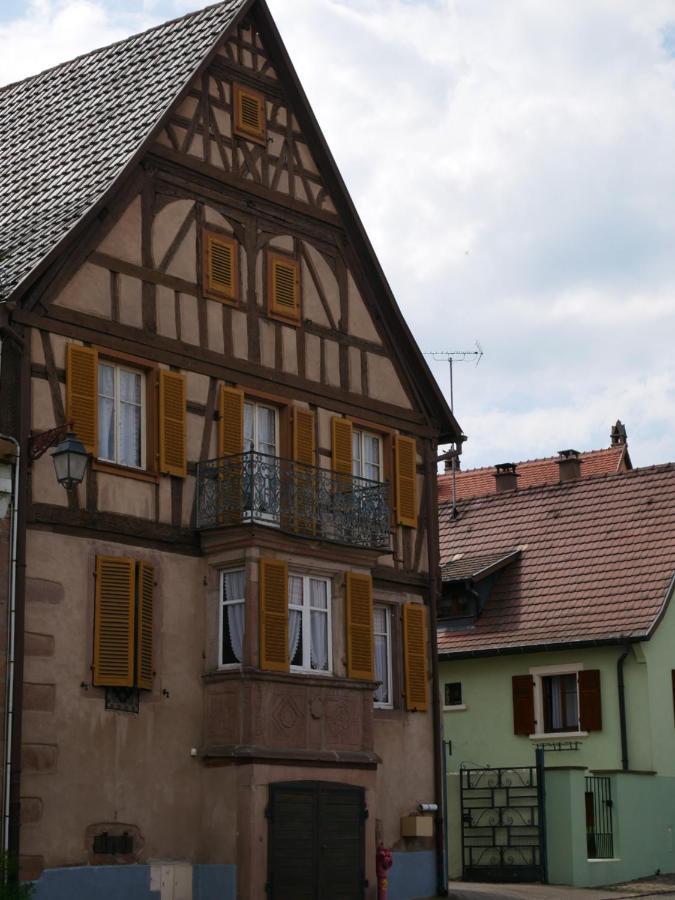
(557, 631)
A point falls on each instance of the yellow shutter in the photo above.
(283, 286)
(144, 626)
(114, 622)
(359, 604)
(82, 393)
(342, 445)
(303, 437)
(273, 615)
(231, 424)
(249, 118)
(415, 653)
(221, 279)
(172, 449)
(406, 481)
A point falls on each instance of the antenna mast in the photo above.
(453, 356)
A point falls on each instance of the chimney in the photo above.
(506, 477)
(569, 465)
(618, 434)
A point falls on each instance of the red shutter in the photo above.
(523, 704)
(590, 705)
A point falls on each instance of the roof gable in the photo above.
(100, 139)
(597, 559)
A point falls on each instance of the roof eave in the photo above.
(520, 649)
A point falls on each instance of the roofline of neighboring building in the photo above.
(541, 459)
(520, 649)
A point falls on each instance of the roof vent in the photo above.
(506, 477)
(618, 434)
(569, 465)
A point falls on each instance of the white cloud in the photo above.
(513, 164)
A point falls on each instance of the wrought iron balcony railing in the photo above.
(254, 487)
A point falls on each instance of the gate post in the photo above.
(541, 784)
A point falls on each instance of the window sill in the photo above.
(319, 673)
(558, 735)
(386, 707)
(611, 859)
(459, 707)
(125, 471)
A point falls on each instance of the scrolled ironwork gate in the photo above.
(503, 824)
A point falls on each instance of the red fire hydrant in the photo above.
(383, 862)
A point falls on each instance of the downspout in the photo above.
(431, 451)
(19, 609)
(622, 707)
(11, 638)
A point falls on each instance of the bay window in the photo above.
(309, 623)
(232, 617)
(383, 695)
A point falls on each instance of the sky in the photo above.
(514, 166)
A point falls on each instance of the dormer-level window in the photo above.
(220, 267)
(121, 415)
(283, 287)
(249, 114)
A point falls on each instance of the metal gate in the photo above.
(503, 833)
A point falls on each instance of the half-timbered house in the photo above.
(223, 634)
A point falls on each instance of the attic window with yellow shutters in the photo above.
(220, 267)
(249, 114)
(283, 287)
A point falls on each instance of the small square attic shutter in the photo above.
(273, 613)
(522, 687)
(590, 705)
(342, 445)
(303, 437)
(406, 481)
(359, 604)
(82, 394)
(114, 622)
(415, 656)
(144, 626)
(220, 276)
(231, 422)
(283, 286)
(172, 449)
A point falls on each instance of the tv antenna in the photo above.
(453, 356)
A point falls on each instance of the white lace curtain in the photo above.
(294, 615)
(234, 586)
(318, 600)
(381, 694)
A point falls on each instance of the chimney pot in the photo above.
(506, 477)
(569, 465)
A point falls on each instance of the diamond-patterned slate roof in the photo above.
(597, 559)
(479, 482)
(67, 133)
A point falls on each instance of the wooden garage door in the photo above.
(316, 841)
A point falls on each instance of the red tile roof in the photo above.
(597, 560)
(479, 482)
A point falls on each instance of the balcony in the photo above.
(256, 488)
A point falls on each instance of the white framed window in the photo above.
(232, 617)
(383, 695)
(366, 455)
(121, 415)
(556, 699)
(261, 428)
(309, 623)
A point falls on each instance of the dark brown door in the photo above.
(316, 841)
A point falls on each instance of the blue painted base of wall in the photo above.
(129, 883)
(413, 875)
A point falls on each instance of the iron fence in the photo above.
(256, 488)
(599, 831)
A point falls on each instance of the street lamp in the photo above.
(70, 461)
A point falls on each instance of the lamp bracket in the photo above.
(40, 443)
